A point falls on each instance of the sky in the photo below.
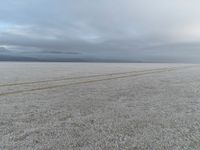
(100, 30)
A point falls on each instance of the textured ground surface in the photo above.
(99, 106)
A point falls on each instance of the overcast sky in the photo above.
(132, 30)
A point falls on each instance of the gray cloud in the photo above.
(3, 50)
(107, 29)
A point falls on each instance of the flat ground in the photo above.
(86, 106)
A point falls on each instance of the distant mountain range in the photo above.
(10, 56)
(7, 57)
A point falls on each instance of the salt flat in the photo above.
(99, 106)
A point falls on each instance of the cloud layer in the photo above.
(129, 30)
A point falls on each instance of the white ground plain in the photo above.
(99, 106)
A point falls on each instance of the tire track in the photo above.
(153, 71)
(74, 78)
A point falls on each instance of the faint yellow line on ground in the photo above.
(90, 81)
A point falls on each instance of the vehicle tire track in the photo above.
(153, 71)
(74, 78)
